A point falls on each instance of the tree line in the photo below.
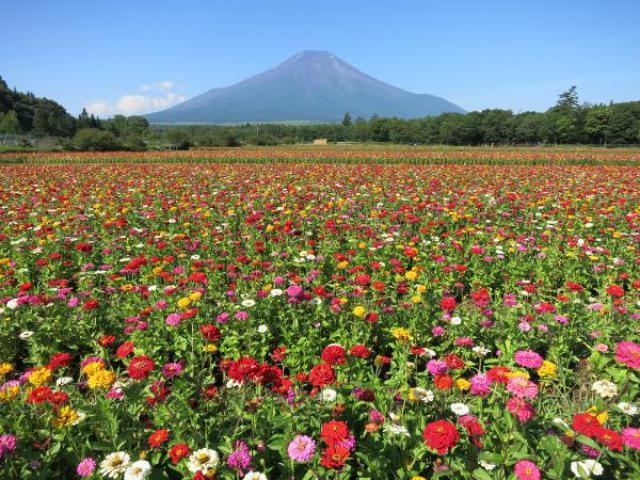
(567, 122)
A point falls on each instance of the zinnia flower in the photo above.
(528, 359)
(526, 470)
(586, 468)
(522, 387)
(628, 353)
(205, 460)
(302, 448)
(140, 367)
(115, 464)
(158, 437)
(86, 467)
(441, 436)
(250, 475)
(138, 470)
(631, 437)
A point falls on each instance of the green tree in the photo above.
(346, 121)
(9, 122)
(93, 139)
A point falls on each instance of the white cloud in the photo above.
(159, 86)
(136, 103)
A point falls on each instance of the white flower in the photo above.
(395, 429)
(628, 408)
(195, 257)
(586, 468)
(486, 465)
(64, 381)
(26, 334)
(459, 409)
(114, 464)
(276, 292)
(605, 388)
(12, 304)
(480, 350)
(250, 475)
(456, 320)
(328, 395)
(422, 394)
(205, 460)
(248, 303)
(231, 383)
(263, 328)
(138, 470)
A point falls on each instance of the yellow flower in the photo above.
(342, 265)
(184, 302)
(517, 373)
(421, 288)
(101, 379)
(93, 367)
(547, 369)
(40, 376)
(418, 477)
(9, 392)
(463, 384)
(66, 416)
(602, 416)
(416, 298)
(401, 334)
(195, 296)
(5, 367)
(359, 311)
(411, 275)
(210, 348)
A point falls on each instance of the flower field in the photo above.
(302, 320)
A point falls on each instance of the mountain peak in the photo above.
(313, 86)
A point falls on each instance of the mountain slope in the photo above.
(310, 86)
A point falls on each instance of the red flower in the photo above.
(125, 349)
(58, 398)
(178, 452)
(140, 367)
(615, 290)
(59, 360)
(360, 351)
(448, 304)
(90, 304)
(441, 436)
(210, 332)
(586, 424)
(322, 375)
(611, 439)
(158, 437)
(498, 374)
(39, 394)
(443, 382)
(454, 362)
(334, 432)
(333, 355)
(334, 457)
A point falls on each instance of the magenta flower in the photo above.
(301, 448)
(628, 353)
(528, 358)
(521, 409)
(480, 385)
(526, 470)
(631, 437)
(7, 444)
(86, 467)
(172, 369)
(240, 458)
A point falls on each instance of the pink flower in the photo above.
(86, 467)
(173, 319)
(528, 358)
(522, 387)
(437, 367)
(301, 448)
(480, 385)
(526, 470)
(631, 437)
(628, 353)
(521, 409)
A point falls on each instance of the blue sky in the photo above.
(138, 56)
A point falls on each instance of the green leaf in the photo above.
(480, 474)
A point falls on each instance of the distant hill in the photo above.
(312, 86)
(26, 113)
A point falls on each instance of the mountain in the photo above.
(312, 86)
